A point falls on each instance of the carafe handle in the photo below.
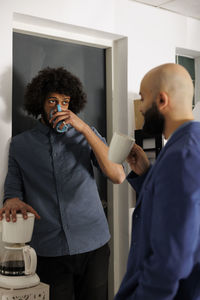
(30, 260)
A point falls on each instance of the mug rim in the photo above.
(124, 135)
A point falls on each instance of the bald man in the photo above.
(164, 258)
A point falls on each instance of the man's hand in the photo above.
(69, 118)
(14, 205)
(138, 160)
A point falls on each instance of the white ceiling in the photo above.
(189, 8)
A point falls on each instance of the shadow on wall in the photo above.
(5, 117)
(18, 116)
(20, 120)
(5, 95)
(4, 169)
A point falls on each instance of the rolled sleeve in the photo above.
(93, 157)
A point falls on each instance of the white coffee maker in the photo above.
(18, 260)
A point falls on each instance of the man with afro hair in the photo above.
(50, 174)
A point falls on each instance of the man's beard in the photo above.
(46, 119)
(154, 121)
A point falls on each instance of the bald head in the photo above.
(167, 93)
(174, 80)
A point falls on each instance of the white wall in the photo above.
(153, 36)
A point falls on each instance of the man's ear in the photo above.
(162, 101)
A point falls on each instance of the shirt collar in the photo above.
(180, 128)
(42, 127)
(48, 130)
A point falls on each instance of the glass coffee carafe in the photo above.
(18, 260)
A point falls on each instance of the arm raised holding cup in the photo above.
(114, 171)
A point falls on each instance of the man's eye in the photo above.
(65, 102)
(51, 101)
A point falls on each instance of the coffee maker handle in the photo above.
(30, 260)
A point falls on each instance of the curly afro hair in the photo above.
(53, 80)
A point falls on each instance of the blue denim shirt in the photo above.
(54, 174)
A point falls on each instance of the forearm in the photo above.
(113, 171)
(13, 187)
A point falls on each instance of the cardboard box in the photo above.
(139, 119)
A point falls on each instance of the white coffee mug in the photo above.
(120, 147)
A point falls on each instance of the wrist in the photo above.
(10, 199)
(85, 129)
